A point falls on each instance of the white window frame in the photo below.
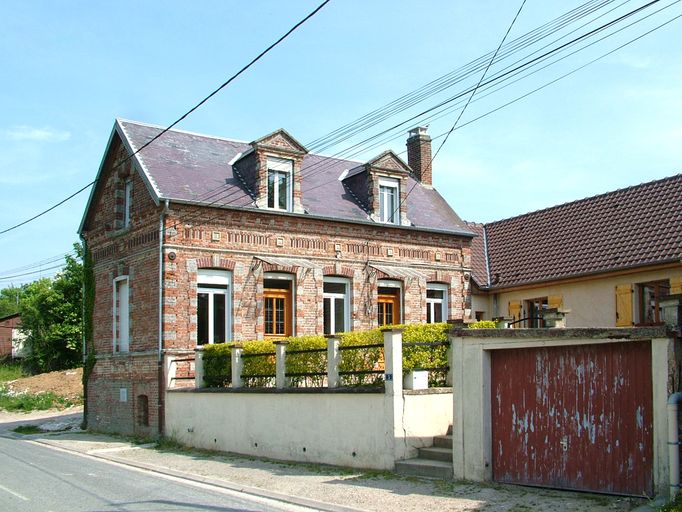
(386, 212)
(121, 344)
(333, 297)
(128, 197)
(432, 304)
(280, 166)
(219, 278)
(391, 283)
(283, 276)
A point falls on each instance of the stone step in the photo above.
(425, 468)
(443, 441)
(436, 453)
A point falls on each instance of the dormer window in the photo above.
(389, 195)
(280, 173)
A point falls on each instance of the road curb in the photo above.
(223, 484)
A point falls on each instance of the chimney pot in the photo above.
(419, 154)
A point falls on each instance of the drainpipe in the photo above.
(674, 443)
(161, 369)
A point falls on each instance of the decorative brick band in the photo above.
(333, 270)
(215, 262)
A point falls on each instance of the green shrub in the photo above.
(483, 324)
(218, 365)
(364, 359)
(314, 362)
(256, 368)
(422, 357)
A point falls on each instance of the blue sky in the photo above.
(71, 67)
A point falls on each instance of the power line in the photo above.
(182, 117)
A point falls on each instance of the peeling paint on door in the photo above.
(577, 417)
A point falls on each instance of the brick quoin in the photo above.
(125, 392)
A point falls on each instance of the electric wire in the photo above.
(182, 117)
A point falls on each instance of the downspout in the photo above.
(674, 443)
(161, 369)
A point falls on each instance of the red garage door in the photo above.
(577, 417)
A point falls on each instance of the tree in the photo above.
(9, 300)
(51, 317)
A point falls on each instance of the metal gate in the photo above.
(574, 417)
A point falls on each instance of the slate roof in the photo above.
(183, 166)
(627, 228)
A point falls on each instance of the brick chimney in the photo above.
(419, 154)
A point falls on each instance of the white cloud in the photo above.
(30, 133)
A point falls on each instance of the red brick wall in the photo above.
(232, 239)
(7, 327)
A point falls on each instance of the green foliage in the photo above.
(51, 315)
(483, 324)
(674, 506)
(257, 368)
(362, 359)
(423, 357)
(10, 371)
(33, 402)
(217, 358)
(9, 300)
(315, 362)
(218, 365)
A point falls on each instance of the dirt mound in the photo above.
(66, 383)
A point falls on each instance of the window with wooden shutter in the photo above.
(675, 285)
(555, 301)
(515, 309)
(624, 305)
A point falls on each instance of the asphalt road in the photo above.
(35, 478)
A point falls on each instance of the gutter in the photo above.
(161, 369)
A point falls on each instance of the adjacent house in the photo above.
(11, 337)
(198, 239)
(610, 259)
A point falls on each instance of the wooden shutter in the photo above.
(624, 305)
(515, 309)
(555, 302)
(675, 285)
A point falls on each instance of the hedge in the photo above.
(259, 371)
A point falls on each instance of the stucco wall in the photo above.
(345, 429)
(592, 302)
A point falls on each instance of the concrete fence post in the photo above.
(333, 362)
(237, 364)
(393, 361)
(199, 368)
(281, 364)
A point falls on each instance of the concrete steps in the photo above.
(432, 462)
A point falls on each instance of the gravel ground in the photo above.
(361, 490)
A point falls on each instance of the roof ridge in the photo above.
(217, 137)
(187, 132)
(582, 200)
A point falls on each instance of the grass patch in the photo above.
(27, 429)
(674, 506)
(10, 371)
(27, 402)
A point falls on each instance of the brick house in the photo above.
(613, 260)
(200, 239)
